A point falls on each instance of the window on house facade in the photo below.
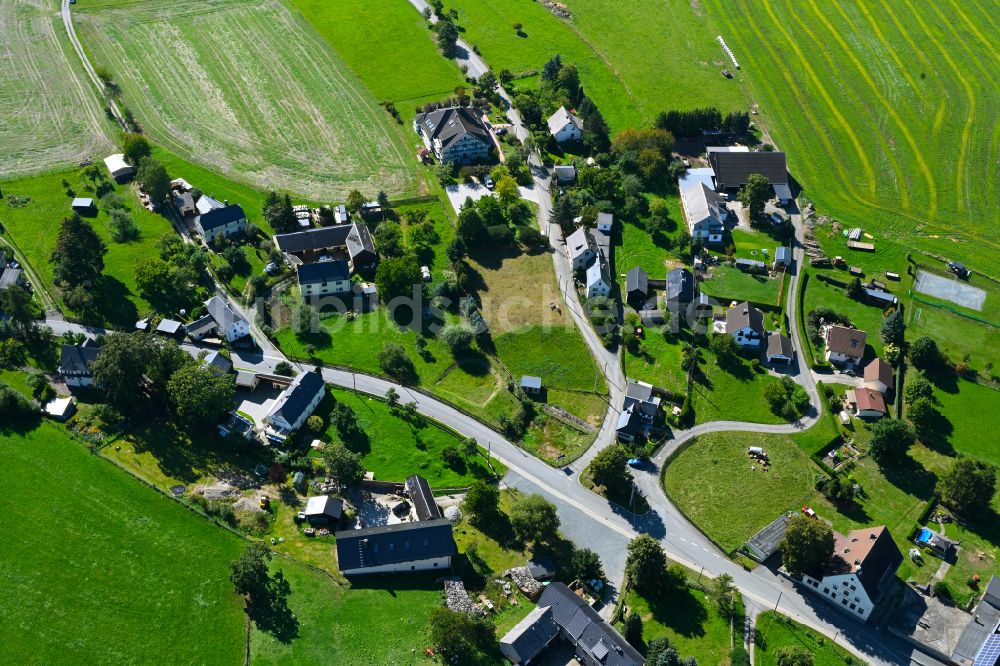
(826, 590)
(853, 606)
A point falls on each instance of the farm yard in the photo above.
(51, 116)
(625, 65)
(905, 94)
(252, 90)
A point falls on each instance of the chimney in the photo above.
(225, 202)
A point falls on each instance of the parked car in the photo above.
(271, 268)
(488, 182)
(635, 462)
(809, 512)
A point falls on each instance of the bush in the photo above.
(451, 456)
(395, 363)
(457, 337)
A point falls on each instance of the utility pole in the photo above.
(778, 601)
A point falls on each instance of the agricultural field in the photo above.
(32, 227)
(775, 631)
(250, 89)
(903, 95)
(409, 73)
(626, 66)
(103, 559)
(50, 110)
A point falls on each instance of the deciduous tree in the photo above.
(808, 545)
(200, 394)
(78, 258)
(890, 440)
(482, 503)
(534, 519)
(646, 563)
(968, 487)
(343, 465)
(754, 195)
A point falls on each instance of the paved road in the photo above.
(67, 18)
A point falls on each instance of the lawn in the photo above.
(731, 284)
(558, 355)
(964, 404)
(637, 248)
(32, 228)
(658, 361)
(103, 559)
(251, 89)
(956, 336)
(866, 317)
(734, 394)
(626, 66)
(409, 73)
(50, 110)
(729, 497)
(393, 448)
(689, 620)
(775, 631)
(904, 93)
(374, 621)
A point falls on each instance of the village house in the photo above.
(564, 126)
(581, 249)
(75, 361)
(636, 288)
(679, 290)
(597, 281)
(640, 412)
(295, 404)
(866, 403)
(746, 324)
(560, 613)
(352, 242)
(778, 348)
(424, 545)
(703, 212)
(323, 278)
(878, 375)
(220, 320)
(12, 277)
(859, 572)
(979, 642)
(732, 167)
(222, 222)
(844, 346)
(421, 498)
(456, 134)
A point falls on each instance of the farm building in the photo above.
(353, 239)
(879, 297)
(745, 323)
(227, 220)
(703, 211)
(750, 265)
(324, 277)
(862, 568)
(323, 510)
(295, 404)
(636, 288)
(530, 637)
(531, 385)
(170, 328)
(118, 167)
(423, 545)
(84, 206)
(766, 542)
(782, 257)
(564, 126)
(732, 168)
(456, 134)
(844, 346)
(422, 498)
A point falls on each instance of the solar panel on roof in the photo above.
(989, 654)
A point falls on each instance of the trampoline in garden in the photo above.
(950, 289)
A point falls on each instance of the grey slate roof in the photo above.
(11, 277)
(680, 286)
(323, 271)
(578, 243)
(169, 326)
(199, 324)
(742, 316)
(531, 382)
(733, 168)
(449, 125)
(392, 544)
(298, 395)
(587, 629)
(422, 498)
(561, 118)
(636, 281)
(778, 345)
(324, 505)
(220, 311)
(220, 217)
(355, 237)
(76, 360)
(530, 636)
(217, 360)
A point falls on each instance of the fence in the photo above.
(951, 309)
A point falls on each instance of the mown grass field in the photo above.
(626, 65)
(50, 110)
(658, 361)
(689, 620)
(394, 449)
(33, 228)
(103, 559)
(775, 631)
(390, 48)
(890, 122)
(250, 89)
(733, 394)
(731, 284)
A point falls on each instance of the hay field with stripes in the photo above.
(889, 111)
(49, 113)
(251, 90)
